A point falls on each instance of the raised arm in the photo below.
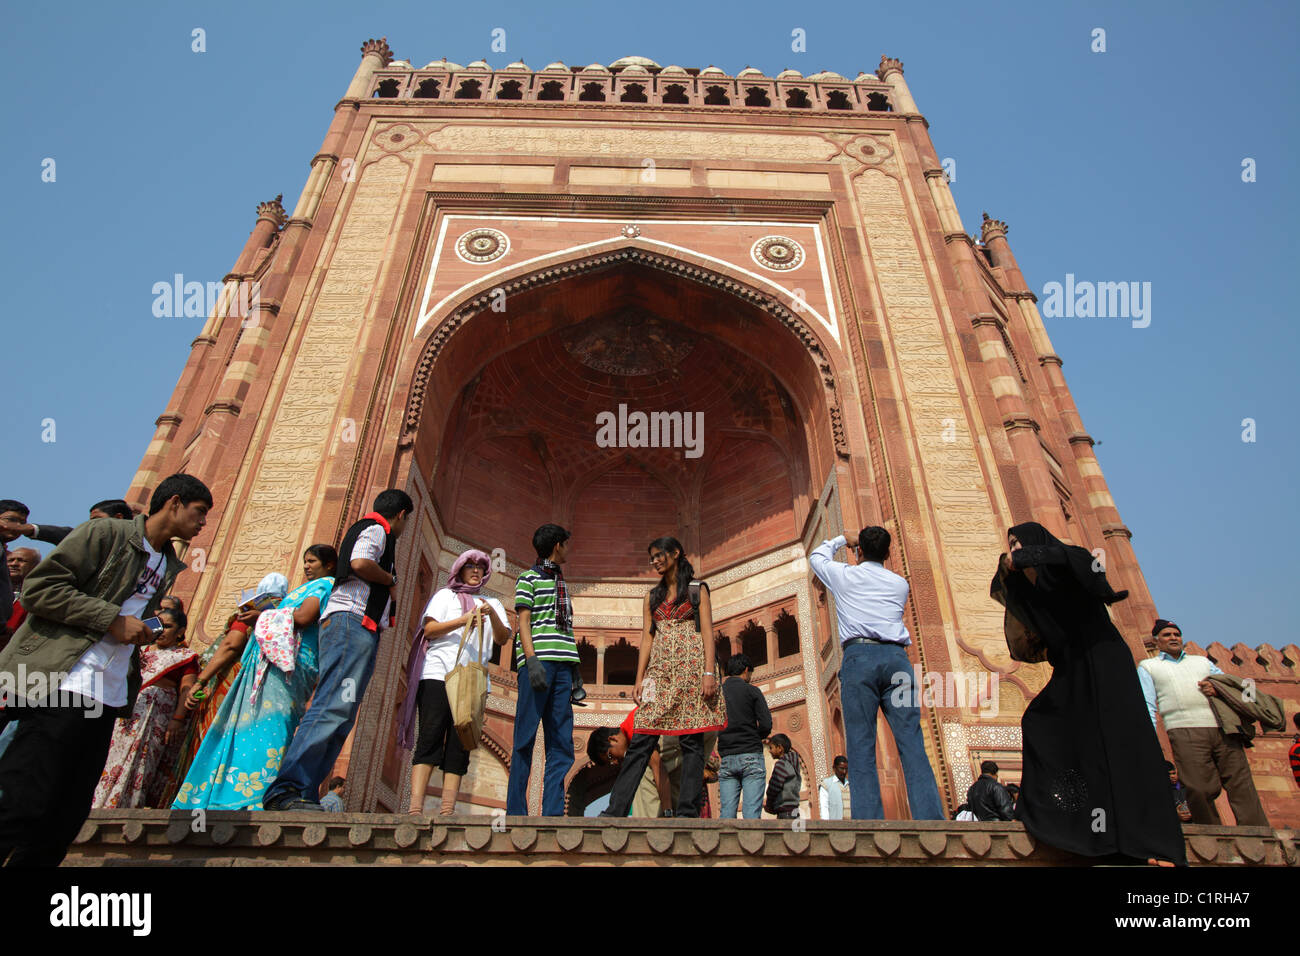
(829, 571)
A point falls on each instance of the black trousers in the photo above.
(633, 768)
(48, 778)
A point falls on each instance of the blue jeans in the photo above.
(555, 712)
(868, 684)
(742, 772)
(347, 660)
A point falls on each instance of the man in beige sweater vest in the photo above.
(1209, 761)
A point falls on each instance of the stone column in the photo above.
(891, 71)
(375, 55)
(270, 216)
(1121, 561)
(1004, 380)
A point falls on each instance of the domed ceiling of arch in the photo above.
(520, 445)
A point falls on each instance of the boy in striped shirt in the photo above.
(547, 657)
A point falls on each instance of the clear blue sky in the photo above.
(1115, 166)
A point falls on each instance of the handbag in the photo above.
(467, 687)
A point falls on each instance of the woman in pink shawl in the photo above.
(433, 655)
(132, 774)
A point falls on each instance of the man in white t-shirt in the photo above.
(73, 666)
(358, 610)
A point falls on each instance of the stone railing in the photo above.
(588, 87)
(143, 837)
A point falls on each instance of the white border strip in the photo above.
(831, 323)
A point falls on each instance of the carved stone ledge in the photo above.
(127, 837)
(1012, 424)
(1080, 438)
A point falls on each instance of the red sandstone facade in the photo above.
(482, 262)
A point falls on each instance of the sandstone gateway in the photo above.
(482, 262)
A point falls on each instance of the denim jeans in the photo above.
(555, 712)
(347, 661)
(742, 773)
(867, 685)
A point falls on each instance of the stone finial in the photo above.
(379, 46)
(992, 229)
(888, 64)
(272, 211)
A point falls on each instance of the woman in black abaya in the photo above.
(1094, 780)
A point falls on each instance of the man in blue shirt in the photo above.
(869, 602)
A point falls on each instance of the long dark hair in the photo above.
(685, 575)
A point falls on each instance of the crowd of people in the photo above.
(107, 704)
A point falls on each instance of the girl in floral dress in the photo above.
(241, 753)
(676, 681)
(141, 742)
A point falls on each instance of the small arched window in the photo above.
(633, 93)
(838, 100)
(592, 93)
(797, 100)
(675, 93)
(757, 96)
(387, 89)
(427, 90)
(879, 103)
(554, 90)
(510, 90)
(470, 90)
(716, 96)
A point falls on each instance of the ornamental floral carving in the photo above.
(778, 253)
(482, 245)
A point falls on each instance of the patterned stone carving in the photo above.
(482, 245)
(248, 837)
(279, 495)
(870, 151)
(968, 539)
(581, 141)
(394, 139)
(629, 343)
(778, 253)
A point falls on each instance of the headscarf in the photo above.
(463, 590)
(274, 583)
(1060, 566)
(1057, 563)
(420, 642)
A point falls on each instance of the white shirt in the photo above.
(441, 657)
(351, 596)
(869, 598)
(101, 672)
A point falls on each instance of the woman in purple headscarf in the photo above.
(433, 655)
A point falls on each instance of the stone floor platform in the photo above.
(159, 837)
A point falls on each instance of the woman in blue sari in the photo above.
(241, 752)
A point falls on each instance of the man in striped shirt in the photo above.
(546, 656)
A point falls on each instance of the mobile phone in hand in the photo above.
(154, 624)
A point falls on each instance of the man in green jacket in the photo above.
(73, 666)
